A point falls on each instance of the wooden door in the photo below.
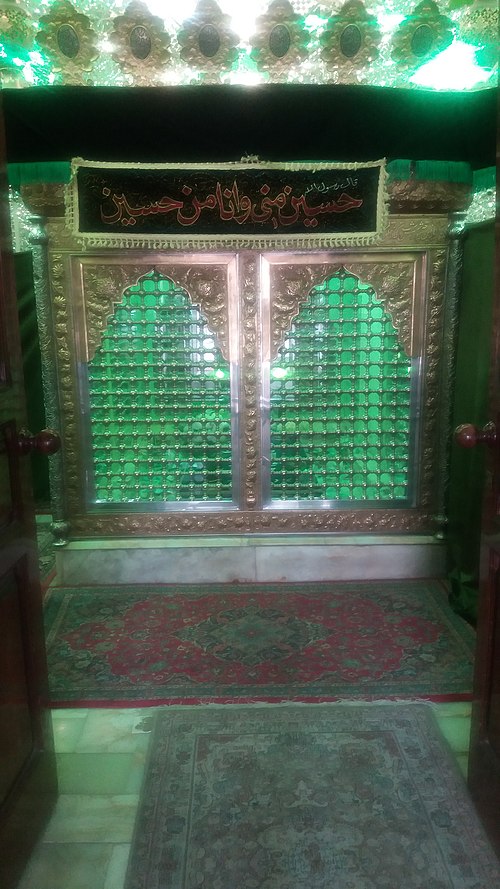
(27, 763)
(484, 758)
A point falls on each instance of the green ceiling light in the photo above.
(279, 372)
(21, 67)
(315, 23)
(455, 68)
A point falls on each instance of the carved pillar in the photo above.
(38, 241)
(449, 346)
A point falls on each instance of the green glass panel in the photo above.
(167, 442)
(340, 429)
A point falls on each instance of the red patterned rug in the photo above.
(140, 645)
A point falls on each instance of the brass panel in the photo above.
(431, 396)
(254, 522)
(67, 384)
(251, 448)
(103, 285)
(393, 279)
(422, 196)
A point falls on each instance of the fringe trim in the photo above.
(223, 242)
(219, 241)
(313, 166)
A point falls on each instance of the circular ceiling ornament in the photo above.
(351, 39)
(280, 41)
(68, 38)
(140, 44)
(421, 35)
(207, 42)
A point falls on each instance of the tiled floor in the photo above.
(101, 757)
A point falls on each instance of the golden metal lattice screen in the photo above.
(254, 314)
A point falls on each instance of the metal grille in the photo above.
(341, 400)
(159, 402)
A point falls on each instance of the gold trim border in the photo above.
(254, 522)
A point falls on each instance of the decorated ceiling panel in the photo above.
(450, 45)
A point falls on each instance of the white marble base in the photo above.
(233, 559)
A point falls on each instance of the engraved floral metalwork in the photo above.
(392, 281)
(44, 198)
(281, 40)
(67, 388)
(351, 38)
(431, 398)
(38, 246)
(422, 196)
(67, 36)
(207, 42)
(254, 522)
(207, 288)
(416, 231)
(104, 285)
(394, 287)
(140, 43)
(103, 288)
(290, 289)
(251, 446)
(421, 35)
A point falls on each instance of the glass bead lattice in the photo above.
(159, 402)
(341, 400)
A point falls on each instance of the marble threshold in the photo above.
(239, 558)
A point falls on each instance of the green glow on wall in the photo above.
(340, 419)
(159, 402)
(455, 68)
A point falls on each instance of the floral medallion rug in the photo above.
(305, 797)
(46, 553)
(223, 643)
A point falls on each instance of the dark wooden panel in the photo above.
(16, 737)
(28, 783)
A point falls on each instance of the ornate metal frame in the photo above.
(399, 281)
(425, 19)
(69, 39)
(338, 49)
(280, 40)
(207, 41)
(411, 261)
(140, 43)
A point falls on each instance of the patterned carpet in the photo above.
(46, 553)
(262, 642)
(310, 797)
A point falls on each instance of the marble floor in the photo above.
(101, 757)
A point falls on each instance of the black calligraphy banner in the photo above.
(229, 203)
